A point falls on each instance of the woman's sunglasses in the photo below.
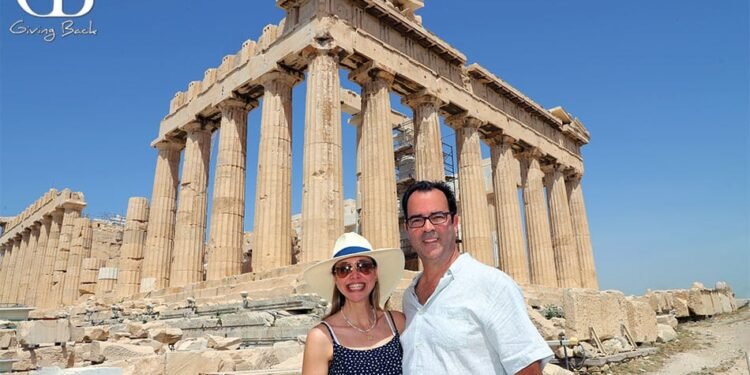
(364, 267)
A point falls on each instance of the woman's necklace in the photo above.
(360, 330)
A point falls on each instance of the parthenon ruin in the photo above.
(541, 239)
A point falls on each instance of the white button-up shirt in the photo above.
(475, 322)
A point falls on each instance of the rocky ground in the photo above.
(718, 345)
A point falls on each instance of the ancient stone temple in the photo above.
(177, 288)
(541, 239)
(385, 49)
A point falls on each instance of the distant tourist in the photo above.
(462, 317)
(358, 336)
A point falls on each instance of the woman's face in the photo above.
(355, 277)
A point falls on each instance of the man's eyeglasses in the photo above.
(436, 218)
(364, 267)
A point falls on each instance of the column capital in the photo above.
(573, 174)
(57, 214)
(500, 139)
(371, 71)
(234, 103)
(169, 145)
(553, 167)
(281, 75)
(73, 206)
(324, 44)
(463, 120)
(531, 153)
(46, 218)
(198, 126)
(421, 97)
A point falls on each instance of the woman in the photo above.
(358, 336)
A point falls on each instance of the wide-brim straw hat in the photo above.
(390, 266)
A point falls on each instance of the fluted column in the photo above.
(71, 213)
(131, 251)
(45, 283)
(581, 228)
(379, 205)
(510, 240)
(37, 265)
(7, 269)
(190, 227)
(272, 232)
(228, 206)
(563, 238)
(80, 249)
(322, 185)
(428, 144)
(30, 237)
(541, 255)
(476, 234)
(160, 235)
(8, 284)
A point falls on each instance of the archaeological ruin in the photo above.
(174, 278)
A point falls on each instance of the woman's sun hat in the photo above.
(390, 266)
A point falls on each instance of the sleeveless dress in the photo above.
(383, 360)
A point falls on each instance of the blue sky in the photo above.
(661, 85)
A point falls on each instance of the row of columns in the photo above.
(557, 239)
(37, 268)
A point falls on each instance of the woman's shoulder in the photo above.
(319, 334)
(399, 319)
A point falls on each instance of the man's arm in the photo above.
(532, 369)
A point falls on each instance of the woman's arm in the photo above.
(318, 352)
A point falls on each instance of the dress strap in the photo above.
(389, 319)
(330, 330)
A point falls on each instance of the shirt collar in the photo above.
(454, 268)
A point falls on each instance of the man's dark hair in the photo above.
(425, 186)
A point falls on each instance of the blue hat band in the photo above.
(350, 250)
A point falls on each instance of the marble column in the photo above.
(45, 284)
(510, 240)
(428, 144)
(272, 232)
(190, 227)
(30, 237)
(379, 202)
(6, 270)
(72, 211)
(160, 235)
(8, 284)
(322, 184)
(131, 251)
(80, 249)
(476, 234)
(563, 238)
(581, 228)
(541, 255)
(228, 205)
(37, 265)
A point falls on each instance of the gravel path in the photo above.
(725, 346)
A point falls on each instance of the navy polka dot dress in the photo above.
(383, 360)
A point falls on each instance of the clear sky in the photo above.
(661, 85)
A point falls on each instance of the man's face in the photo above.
(432, 242)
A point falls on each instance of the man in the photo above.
(462, 317)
